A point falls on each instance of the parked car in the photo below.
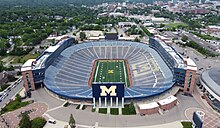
(4, 95)
(51, 121)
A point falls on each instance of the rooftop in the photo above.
(190, 64)
(178, 59)
(168, 100)
(148, 106)
(27, 65)
(211, 79)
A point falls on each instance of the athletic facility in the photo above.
(111, 71)
(141, 69)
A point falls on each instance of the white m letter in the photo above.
(106, 91)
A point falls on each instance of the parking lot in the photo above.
(201, 61)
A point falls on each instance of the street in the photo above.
(11, 93)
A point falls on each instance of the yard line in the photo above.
(114, 71)
(97, 69)
(125, 75)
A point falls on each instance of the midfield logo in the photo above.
(108, 91)
(110, 71)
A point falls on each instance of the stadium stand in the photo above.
(69, 73)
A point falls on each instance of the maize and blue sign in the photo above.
(197, 120)
(108, 90)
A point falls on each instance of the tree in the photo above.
(137, 39)
(82, 36)
(25, 121)
(72, 121)
(38, 122)
(184, 38)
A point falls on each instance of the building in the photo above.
(167, 103)
(183, 69)
(210, 84)
(148, 109)
(126, 24)
(213, 28)
(33, 70)
(117, 14)
(157, 20)
(3, 77)
(111, 36)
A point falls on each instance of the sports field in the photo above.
(111, 71)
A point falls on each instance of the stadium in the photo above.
(69, 70)
(69, 74)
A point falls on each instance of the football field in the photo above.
(111, 71)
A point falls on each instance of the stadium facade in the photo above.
(65, 68)
(183, 69)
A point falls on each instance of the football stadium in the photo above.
(105, 61)
(69, 70)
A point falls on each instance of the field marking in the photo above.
(125, 74)
(97, 69)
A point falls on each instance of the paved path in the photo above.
(13, 118)
(60, 124)
(86, 117)
(210, 120)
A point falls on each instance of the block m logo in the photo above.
(105, 91)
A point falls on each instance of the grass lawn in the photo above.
(176, 24)
(187, 124)
(114, 111)
(111, 71)
(13, 105)
(23, 59)
(103, 110)
(129, 109)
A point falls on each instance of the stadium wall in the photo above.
(129, 72)
(37, 75)
(183, 76)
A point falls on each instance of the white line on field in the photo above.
(97, 69)
(125, 74)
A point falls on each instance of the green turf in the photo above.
(176, 24)
(129, 109)
(103, 110)
(111, 71)
(114, 111)
(187, 124)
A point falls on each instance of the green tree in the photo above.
(82, 35)
(184, 38)
(38, 122)
(25, 121)
(72, 121)
(1, 66)
(137, 39)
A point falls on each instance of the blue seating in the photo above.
(68, 75)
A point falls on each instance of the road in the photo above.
(11, 94)
(200, 41)
(201, 61)
(146, 37)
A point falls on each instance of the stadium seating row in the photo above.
(69, 73)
